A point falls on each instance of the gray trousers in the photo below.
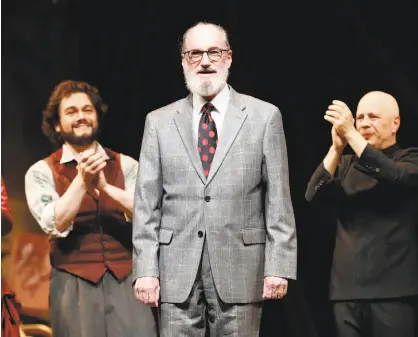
(79, 308)
(205, 310)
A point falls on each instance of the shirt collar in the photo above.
(68, 155)
(220, 102)
(390, 151)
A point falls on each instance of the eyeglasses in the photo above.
(196, 55)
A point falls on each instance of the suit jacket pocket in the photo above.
(252, 236)
(165, 235)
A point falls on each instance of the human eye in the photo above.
(195, 54)
(215, 52)
(70, 112)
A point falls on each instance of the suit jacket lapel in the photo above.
(233, 120)
(184, 124)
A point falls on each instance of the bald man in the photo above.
(373, 195)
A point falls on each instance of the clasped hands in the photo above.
(342, 120)
(90, 169)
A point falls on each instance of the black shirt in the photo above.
(375, 198)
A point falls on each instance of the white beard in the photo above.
(206, 87)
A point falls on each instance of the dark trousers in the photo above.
(376, 318)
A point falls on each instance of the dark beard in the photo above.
(72, 139)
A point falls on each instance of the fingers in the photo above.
(339, 107)
(267, 292)
(92, 159)
(92, 164)
(336, 108)
(339, 103)
(154, 303)
(330, 119)
(137, 296)
(147, 291)
(86, 154)
(332, 114)
(275, 288)
(147, 297)
(96, 167)
(282, 289)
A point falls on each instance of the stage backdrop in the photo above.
(297, 55)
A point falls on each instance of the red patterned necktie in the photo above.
(207, 138)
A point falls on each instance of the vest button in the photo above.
(199, 234)
(207, 198)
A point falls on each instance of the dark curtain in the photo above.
(297, 55)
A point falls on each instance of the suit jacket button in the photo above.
(199, 234)
(207, 198)
(377, 169)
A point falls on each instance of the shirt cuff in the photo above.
(48, 222)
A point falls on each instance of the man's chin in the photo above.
(204, 87)
(80, 140)
(372, 143)
(209, 89)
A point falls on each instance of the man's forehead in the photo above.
(368, 107)
(379, 103)
(375, 108)
(204, 36)
(78, 98)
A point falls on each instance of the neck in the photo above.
(211, 97)
(389, 143)
(77, 149)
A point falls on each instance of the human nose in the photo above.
(81, 114)
(365, 123)
(205, 59)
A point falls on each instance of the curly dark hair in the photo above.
(65, 89)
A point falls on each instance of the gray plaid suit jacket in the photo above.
(243, 208)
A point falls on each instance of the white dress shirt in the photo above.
(41, 194)
(220, 102)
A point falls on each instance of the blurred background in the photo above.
(298, 55)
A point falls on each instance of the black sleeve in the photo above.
(402, 169)
(322, 185)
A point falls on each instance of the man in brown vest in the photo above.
(82, 197)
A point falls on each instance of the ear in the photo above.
(229, 59)
(396, 123)
(183, 61)
(57, 128)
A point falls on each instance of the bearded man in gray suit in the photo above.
(213, 226)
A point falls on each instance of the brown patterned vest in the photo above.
(101, 239)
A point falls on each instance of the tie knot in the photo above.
(208, 108)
